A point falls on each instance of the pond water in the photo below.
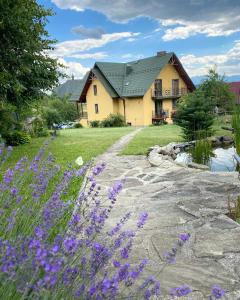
(222, 162)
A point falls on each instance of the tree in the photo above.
(194, 114)
(51, 116)
(217, 91)
(26, 69)
(65, 109)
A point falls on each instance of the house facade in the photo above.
(143, 91)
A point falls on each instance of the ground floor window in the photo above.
(174, 104)
(96, 109)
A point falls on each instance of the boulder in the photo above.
(227, 140)
(215, 141)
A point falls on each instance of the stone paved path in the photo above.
(178, 200)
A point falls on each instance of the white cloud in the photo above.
(73, 68)
(188, 29)
(228, 63)
(97, 55)
(73, 47)
(189, 17)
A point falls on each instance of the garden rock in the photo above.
(198, 166)
(178, 200)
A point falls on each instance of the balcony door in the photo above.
(158, 87)
(158, 107)
(175, 87)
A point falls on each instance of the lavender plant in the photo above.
(55, 246)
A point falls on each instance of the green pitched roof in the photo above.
(131, 79)
(134, 78)
(141, 74)
(72, 88)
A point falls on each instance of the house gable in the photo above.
(99, 101)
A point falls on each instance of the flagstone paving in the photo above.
(178, 200)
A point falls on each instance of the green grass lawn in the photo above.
(150, 136)
(72, 143)
(165, 134)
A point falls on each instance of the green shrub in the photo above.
(95, 123)
(16, 138)
(113, 120)
(236, 127)
(78, 125)
(194, 114)
(51, 116)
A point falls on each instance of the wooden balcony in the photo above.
(168, 93)
(158, 118)
(83, 115)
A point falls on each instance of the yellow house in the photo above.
(143, 91)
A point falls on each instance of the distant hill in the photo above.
(197, 79)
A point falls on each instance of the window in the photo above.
(175, 87)
(174, 104)
(96, 109)
(95, 89)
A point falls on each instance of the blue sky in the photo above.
(203, 33)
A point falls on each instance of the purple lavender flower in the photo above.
(116, 263)
(184, 237)
(147, 294)
(115, 190)
(142, 219)
(8, 176)
(180, 291)
(217, 292)
(123, 272)
(70, 245)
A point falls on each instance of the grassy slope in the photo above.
(72, 143)
(162, 135)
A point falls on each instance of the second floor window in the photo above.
(96, 109)
(158, 84)
(95, 89)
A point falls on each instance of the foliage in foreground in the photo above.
(26, 68)
(57, 247)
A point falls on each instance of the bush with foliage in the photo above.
(16, 138)
(95, 123)
(55, 248)
(194, 113)
(51, 116)
(113, 120)
(78, 125)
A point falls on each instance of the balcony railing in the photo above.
(83, 115)
(168, 93)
